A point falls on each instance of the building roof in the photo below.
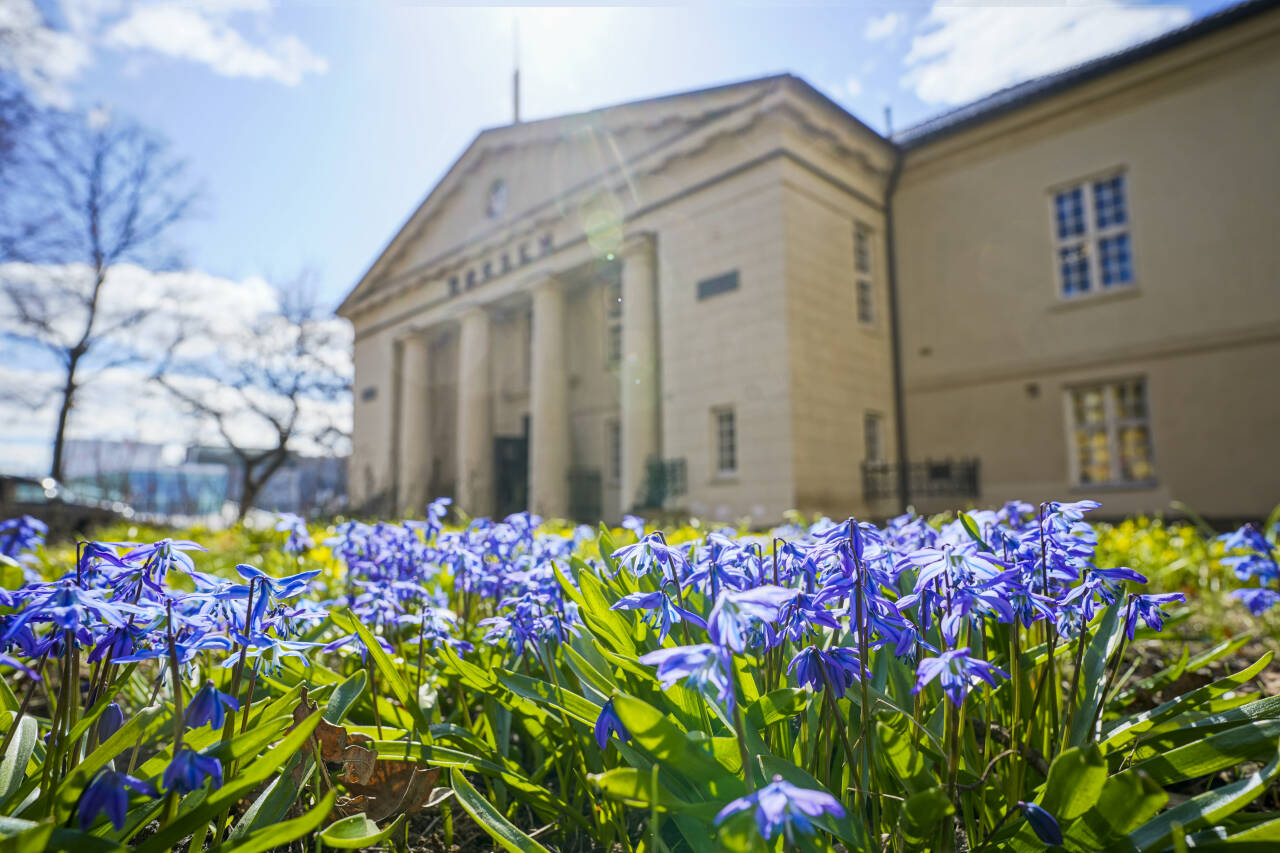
(1025, 93)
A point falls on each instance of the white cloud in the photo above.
(211, 33)
(853, 87)
(44, 59)
(121, 402)
(185, 32)
(883, 26)
(964, 52)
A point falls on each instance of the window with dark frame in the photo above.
(726, 434)
(613, 450)
(716, 285)
(873, 436)
(1091, 223)
(864, 291)
(1110, 433)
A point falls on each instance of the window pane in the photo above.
(871, 432)
(861, 249)
(1074, 266)
(1069, 212)
(866, 313)
(1117, 266)
(1135, 453)
(613, 344)
(1108, 202)
(1094, 454)
(726, 443)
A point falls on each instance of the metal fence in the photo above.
(931, 478)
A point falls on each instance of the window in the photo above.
(710, 287)
(544, 244)
(873, 436)
(613, 344)
(866, 310)
(864, 293)
(453, 285)
(1091, 230)
(613, 450)
(726, 436)
(471, 279)
(1110, 433)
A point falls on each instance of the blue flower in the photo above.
(189, 770)
(266, 591)
(299, 538)
(1258, 601)
(959, 671)
(841, 667)
(109, 793)
(21, 534)
(1148, 607)
(70, 607)
(651, 552)
(609, 722)
(734, 613)
(663, 611)
(781, 806)
(1042, 823)
(704, 665)
(110, 722)
(209, 707)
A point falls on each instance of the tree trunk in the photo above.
(64, 413)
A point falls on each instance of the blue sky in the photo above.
(314, 129)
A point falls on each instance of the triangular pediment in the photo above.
(508, 172)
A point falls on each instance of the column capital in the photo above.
(637, 242)
(545, 281)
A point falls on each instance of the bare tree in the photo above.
(87, 194)
(279, 385)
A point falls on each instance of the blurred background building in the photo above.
(741, 300)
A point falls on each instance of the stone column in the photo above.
(548, 404)
(414, 432)
(639, 374)
(475, 415)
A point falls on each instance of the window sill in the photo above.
(1133, 486)
(1066, 303)
(724, 480)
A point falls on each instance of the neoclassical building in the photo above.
(743, 300)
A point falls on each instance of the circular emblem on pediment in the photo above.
(496, 202)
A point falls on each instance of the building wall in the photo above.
(983, 321)
(840, 368)
(374, 399)
(728, 349)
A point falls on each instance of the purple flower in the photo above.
(837, 668)
(24, 533)
(609, 722)
(1149, 608)
(703, 665)
(734, 612)
(189, 770)
(959, 672)
(69, 607)
(662, 611)
(110, 722)
(209, 707)
(1042, 823)
(299, 539)
(781, 806)
(650, 552)
(1258, 601)
(109, 793)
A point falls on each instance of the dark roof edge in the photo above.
(1010, 99)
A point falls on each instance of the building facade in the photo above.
(743, 300)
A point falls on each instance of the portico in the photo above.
(520, 407)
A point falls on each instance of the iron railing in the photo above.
(664, 479)
(931, 478)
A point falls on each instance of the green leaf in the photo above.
(1126, 801)
(672, 747)
(280, 835)
(490, 819)
(971, 527)
(545, 693)
(1245, 742)
(1075, 782)
(1102, 644)
(922, 812)
(1206, 809)
(19, 836)
(387, 671)
(1130, 728)
(774, 707)
(141, 725)
(249, 777)
(634, 788)
(357, 832)
(13, 765)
